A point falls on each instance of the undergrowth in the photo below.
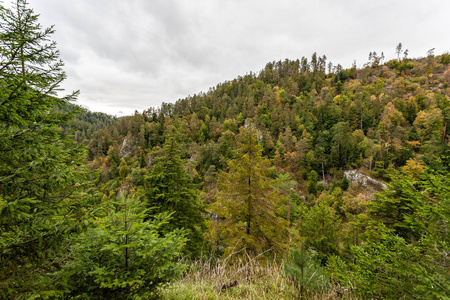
(243, 280)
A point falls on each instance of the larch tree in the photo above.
(247, 202)
(40, 171)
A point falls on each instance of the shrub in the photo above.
(445, 58)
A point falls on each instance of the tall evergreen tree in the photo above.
(39, 170)
(170, 189)
(248, 200)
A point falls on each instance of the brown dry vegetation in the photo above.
(255, 280)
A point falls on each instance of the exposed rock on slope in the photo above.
(372, 185)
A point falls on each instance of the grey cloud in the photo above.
(126, 55)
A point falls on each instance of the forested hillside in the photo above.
(307, 119)
(85, 123)
(303, 179)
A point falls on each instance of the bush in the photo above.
(445, 58)
(400, 65)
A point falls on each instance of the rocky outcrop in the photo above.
(126, 147)
(356, 177)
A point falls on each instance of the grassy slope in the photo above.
(254, 281)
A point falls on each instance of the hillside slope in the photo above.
(281, 141)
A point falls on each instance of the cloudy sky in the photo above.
(127, 55)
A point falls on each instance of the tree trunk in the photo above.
(249, 207)
(445, 129)
(323, 173)
(289, 207)
(126, 236)
(361, 118)
(371, 158)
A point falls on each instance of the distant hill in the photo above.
(311, 115)
(86, 123)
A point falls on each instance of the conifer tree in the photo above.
(39, 170)
(247, 202)
(319, 227)
(122, 256)
(170, 189)
(304, 269)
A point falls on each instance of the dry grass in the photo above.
(255, 280)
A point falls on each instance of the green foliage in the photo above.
(345, 183)
(286, 186)
(319, 226)
(313, 178)
(122, 256)
(85, 123)
(123, 168)
(310, 123)
(42, 177)
(305, 271)
(445, 58)
(409, 257)
(344, 150)
(406, 207)
(401, 66)
(170, 189)
(389, 269)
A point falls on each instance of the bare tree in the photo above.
(399, 50)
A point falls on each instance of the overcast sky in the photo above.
(127, 55)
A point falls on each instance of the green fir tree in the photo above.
(122, 256)
(170, 189)
(41, 173)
